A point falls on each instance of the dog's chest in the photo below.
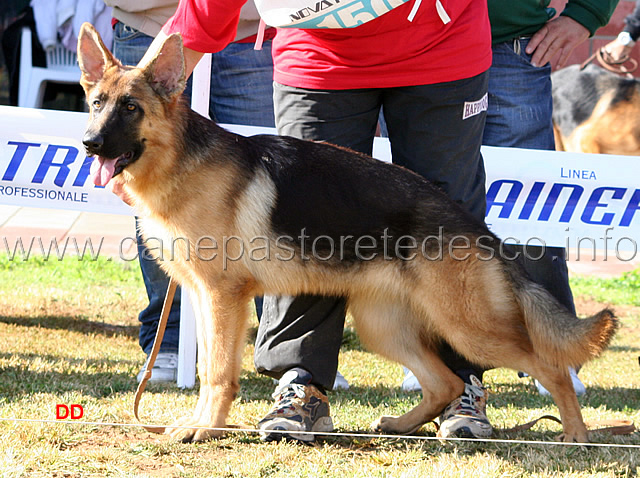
(162, 243)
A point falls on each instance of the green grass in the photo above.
(624, 289)
(71, 271)
(68, 334)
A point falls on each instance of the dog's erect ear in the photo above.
(166, 71)
(93, 56)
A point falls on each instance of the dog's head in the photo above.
(124, 101)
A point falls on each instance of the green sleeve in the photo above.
(592, 14)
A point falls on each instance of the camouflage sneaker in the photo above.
(465, 417)
(298, 408)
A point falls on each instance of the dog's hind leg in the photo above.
(389, 329)
(222, 317)
(439, 387)
(558, 382)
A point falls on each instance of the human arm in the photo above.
(620, 48)
(206, 26)
(555, 41)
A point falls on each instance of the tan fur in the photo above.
(611, 129)
(402, 310)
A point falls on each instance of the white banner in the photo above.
(572, 200)
(43, 164)
(559, 199)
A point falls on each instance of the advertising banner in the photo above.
(533, 197)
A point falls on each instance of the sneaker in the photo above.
(410, 382)
(465, 417)
(340, 382)
(578, 386)
(165, 368)
(298, 408)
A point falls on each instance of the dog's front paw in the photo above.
(385, 424)
(398, 425)
(190, 429)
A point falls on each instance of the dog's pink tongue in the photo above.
(102, 170)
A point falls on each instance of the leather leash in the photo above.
(617, 67)
(614, 426)
(162, 325)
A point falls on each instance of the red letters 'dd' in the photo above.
(74, 412)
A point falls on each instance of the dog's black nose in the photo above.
(93, 142)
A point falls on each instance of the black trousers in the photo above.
(430, 134)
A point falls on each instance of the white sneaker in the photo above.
(340, 382)
(165, 368)
(578, 386)
(410, 382)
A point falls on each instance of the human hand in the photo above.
(555, 41)
(117, 188)
(617, 51)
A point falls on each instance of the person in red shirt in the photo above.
(424, 63)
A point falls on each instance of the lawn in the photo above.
(68, 335)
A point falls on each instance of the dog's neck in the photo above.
(150, 201)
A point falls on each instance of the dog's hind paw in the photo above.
(574, 438)
(574, 432)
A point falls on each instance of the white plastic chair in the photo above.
(62, 67)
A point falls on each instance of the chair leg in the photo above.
(39, 94)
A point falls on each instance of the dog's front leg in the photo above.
(221, 317)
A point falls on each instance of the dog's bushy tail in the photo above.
(559, 337)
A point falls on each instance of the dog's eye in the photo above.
(97, 104)
(131, 107)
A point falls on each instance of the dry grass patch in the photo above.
(70, 336)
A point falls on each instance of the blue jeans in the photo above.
(519, 115)
(241, 93)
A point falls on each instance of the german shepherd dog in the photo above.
(191, 179)
(596, 111)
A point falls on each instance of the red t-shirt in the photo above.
(388, 51)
